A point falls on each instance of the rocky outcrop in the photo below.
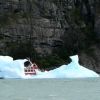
(91, 62)
(33, 19)
(45, 23)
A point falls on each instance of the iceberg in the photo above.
(10, 68)
(72, 70)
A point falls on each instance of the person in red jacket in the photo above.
(35, 66)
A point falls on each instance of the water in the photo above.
(50, 89)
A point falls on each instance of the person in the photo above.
(35, 66)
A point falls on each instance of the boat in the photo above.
(31, 69)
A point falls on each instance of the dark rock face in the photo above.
(46, 22)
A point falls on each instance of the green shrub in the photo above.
(16, 10)
(54, 1)
(1, 37)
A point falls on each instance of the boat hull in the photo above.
(30, 73)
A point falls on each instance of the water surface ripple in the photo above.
(50, 89)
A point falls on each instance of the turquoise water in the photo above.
(50, 89)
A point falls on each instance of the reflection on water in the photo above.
(50, 89)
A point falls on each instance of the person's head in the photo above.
(34, 64)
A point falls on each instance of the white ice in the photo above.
(10, 68)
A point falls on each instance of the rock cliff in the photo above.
(48, 23)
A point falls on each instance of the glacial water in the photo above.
(50, 89)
